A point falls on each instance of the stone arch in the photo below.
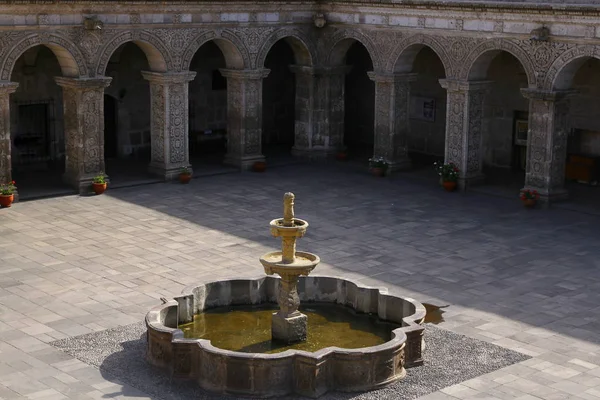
(70, 59)
(158, 56)
(303, 48)
(561, 73)
(403, 56)
(476, 63)
(230, 45)
(341, 42)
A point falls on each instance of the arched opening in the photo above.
(504, 119)
(278, 102)
(207, 107)
(37, 124)
(359, 102)
(426, 136)
(127, 116)
(582, 170)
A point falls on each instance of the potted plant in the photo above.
(378, 166)
(448, 173)
(99, 183)
(529, 197)
(7, 194)
(259, 166)
(185, 175)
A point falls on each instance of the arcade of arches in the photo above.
(141, 115)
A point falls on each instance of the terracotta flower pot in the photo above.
(185, 178)
(99, 188)
(449, 186)
(6, 200)
(378, 171)
(259, 166)
(529, 203)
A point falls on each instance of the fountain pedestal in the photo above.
(288, 325)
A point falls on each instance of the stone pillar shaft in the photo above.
(6, 88)
(244, 116)
(83, 100)
(464, 124)
(169, 136)
(392, 98)
(547, 142)
(304, 109)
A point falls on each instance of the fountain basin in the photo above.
(304, 263)
(293, 371)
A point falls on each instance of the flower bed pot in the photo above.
(99, 188)
(259, 166)
(378, 171)
(449, 186)
(529, 203)
(6, 200)
(185, 178)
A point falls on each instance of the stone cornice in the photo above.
(455, 85)
(245, 74)
(171, 77)
(83, 83)
(547, 95)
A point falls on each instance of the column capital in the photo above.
(83, 83)
(303, 69)
(245, 74)
(391, 77)
(547, 95)
(7, 87)
(456, 85)
(169, 77)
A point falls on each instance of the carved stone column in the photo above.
(83, 100)
(6, 88)
(304, 110)
(464, 124)
(547, 143)
(392, 97)
(169, 122)
(244, 116)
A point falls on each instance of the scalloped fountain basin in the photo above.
(292, 371)
(248, 328)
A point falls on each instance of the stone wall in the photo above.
(550, 45)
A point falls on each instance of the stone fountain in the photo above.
(307, 373)
(288, 324)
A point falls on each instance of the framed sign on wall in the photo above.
(422, 108)
(521, 128)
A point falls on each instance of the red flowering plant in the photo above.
(448, 171)
(6, 189)
(529, 194)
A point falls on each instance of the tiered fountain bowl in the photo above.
(215, 332)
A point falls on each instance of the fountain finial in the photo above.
(288, 209)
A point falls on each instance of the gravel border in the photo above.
(450, 358)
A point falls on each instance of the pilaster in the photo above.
(169, 122)
(6, 88)
(83, 100)
(547, 143)
(464, 124)
(392, 97)
(244, 116)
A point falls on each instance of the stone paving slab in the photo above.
(449, 360)
(526, 280)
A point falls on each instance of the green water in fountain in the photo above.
(248, 329)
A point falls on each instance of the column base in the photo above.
(83, 184)
(243, 162)
(289, 330)
(550, 197)
(465, 183)
(398, 165)
(314, 153)
(166, 173)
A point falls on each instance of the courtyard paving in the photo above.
(527, 280)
